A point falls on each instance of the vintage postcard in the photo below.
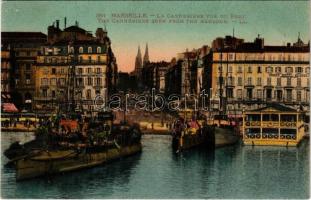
(155, 99)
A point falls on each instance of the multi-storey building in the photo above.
(126, 82)
(22, 49)
(74, 48)
(153, 75)
(5, 73)
(187, 73)
(173, 78)
(250, 75)
(182, 72)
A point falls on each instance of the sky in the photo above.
(277, 21)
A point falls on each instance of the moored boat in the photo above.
(74, 147)
(187, 135)
(274, 125)
(57, 161)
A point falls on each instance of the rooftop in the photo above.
(276, 106)
(23, 35)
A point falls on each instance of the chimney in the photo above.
(77, 24)
(57, 24)
(288, 44)
(65, 22)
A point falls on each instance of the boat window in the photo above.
(288, 131)
(253, 130)
(270, 117)
(307, 119)
(253, 117)
(266, 117)
(288, 118)
(270, 131)
(274, 117)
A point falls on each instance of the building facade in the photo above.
(74, 64)
(5, 72)
(250, 75)
(187, 73)
(153, 75)
(22, 49)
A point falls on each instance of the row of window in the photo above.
(25, 53)
(89, 50)
(88, 70)
(249, 81)
(27, 78)
(268, 69)
(81, 50)
(267, 94)
(89, 81)
(88, 93)
(279, 57)
(5, 65)
(67, 60)
(79, 81)
(19, 66)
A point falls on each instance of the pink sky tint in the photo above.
(126, 55)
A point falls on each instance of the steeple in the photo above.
(138, 62)
(299, 42)
(146, 56)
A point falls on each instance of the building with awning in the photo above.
(8, 107)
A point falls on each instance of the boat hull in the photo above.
(271, 142)
(54, 162)
(204, 138)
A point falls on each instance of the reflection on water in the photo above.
(231, 172)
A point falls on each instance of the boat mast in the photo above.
(71, 76)
(220, 86)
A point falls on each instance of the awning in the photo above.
(5, 96)
(9, 107)
(235, 116)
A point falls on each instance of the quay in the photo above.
(150, 124)
(18, 128)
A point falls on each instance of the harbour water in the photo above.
(230, 172)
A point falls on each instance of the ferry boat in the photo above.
(275, 125)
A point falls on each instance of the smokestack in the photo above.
(65, 22)
(57, 23)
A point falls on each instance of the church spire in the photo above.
(146, 56)
(138, 62)
(138, 52)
